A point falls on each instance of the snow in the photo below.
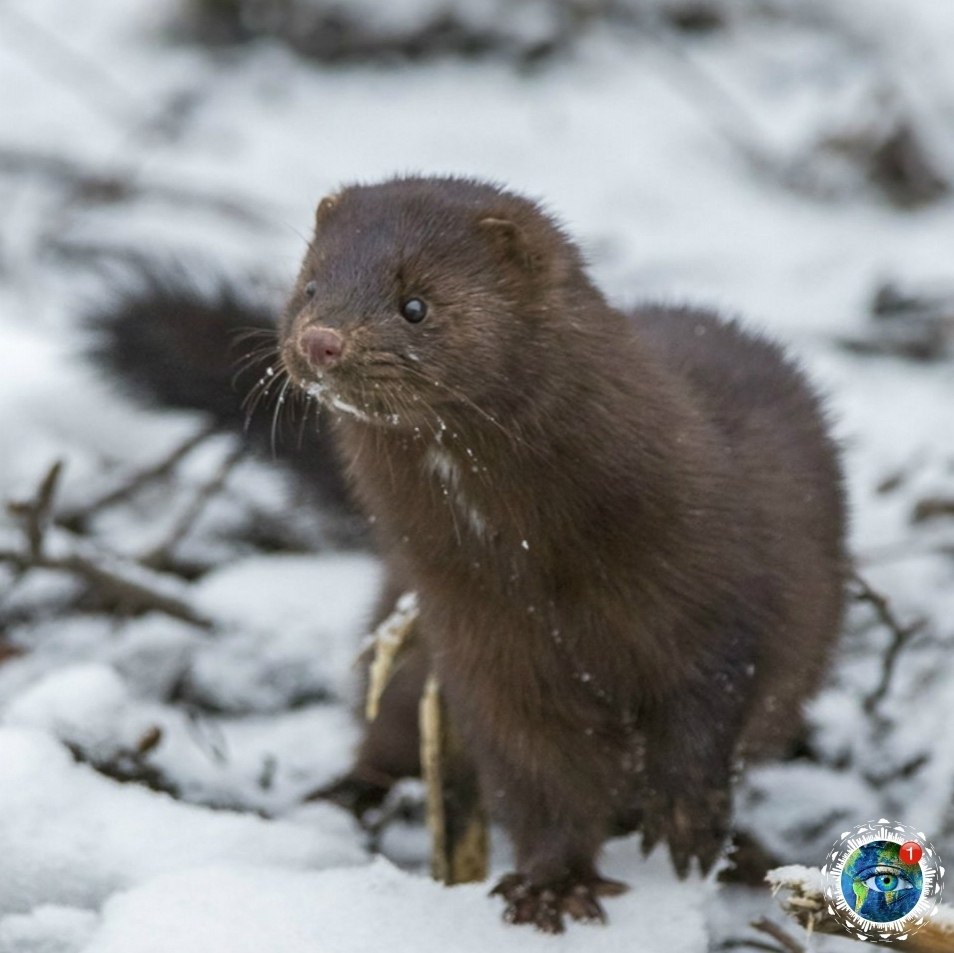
(632, 141)
(80, 837)
(350, 911)
(293, 603)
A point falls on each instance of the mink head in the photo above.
(421, 295)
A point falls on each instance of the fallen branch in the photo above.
(131, 585)
(768, 927)
(130, 765)
(123, 581)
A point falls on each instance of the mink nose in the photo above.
(321, 346)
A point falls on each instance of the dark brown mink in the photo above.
(625, 530)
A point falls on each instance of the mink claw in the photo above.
(708, 856)
(680, 860)
(583, 906)
(650, 840)
(544, 905)
(696, 829)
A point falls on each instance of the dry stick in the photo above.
(36, 514)
(900, 636)
(764, 925)
(125, 581)
(163, 552)
(129, 765)
(749, 944)
(455, 815)
(432, 775)
(128, 583)
(79, 515)
(391, 639)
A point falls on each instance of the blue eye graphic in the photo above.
(878, 885)
(884, 879)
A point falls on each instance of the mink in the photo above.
(625, 529)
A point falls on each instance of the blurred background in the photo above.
(179, 617)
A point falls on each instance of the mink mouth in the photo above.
(371, 384)
(368, 390)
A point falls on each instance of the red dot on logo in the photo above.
(910, 852)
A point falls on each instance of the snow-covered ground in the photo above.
(635, 144)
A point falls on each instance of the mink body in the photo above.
(625, 530)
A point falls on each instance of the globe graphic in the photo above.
(878, 885)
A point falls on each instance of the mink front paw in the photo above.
(544, 905)
(692, 828)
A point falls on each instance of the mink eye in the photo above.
(413, 310)
(310, 289)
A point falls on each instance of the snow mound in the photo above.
(79, 837)
(235, 910)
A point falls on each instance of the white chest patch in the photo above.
(442, 465)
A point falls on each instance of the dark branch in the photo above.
(901, 635)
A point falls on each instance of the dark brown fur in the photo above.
(625, 530)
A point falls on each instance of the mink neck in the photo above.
(596, 427)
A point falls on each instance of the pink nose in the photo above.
(321, 346)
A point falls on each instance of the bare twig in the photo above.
(129, 764)
(130, 584)
(207, 734)
(162, 553)
(77, 517)
(768, 927)
(35, 515)
(455, 815)
(8, 651)
(932, 508)
(747, 943)
(901, 635)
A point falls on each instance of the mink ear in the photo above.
(511, 242)
(324, 207)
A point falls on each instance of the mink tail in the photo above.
(177, 337)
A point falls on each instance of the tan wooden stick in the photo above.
(455, 815)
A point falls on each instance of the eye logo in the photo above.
(883, 881)
(878, 884)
